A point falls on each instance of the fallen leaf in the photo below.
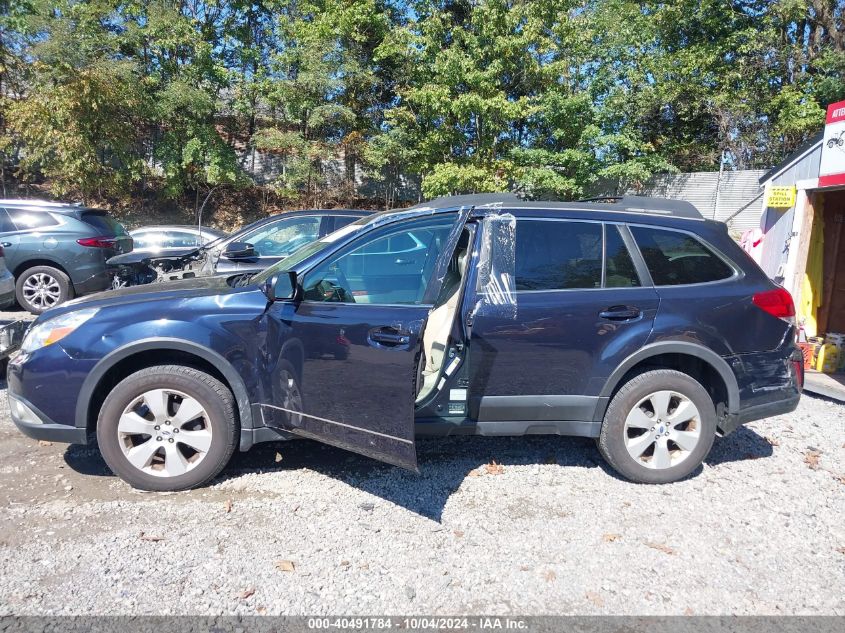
(524, 568)
(473, 473)
(811, 458)
(660, 546)
(344, 563)
(550, 576)
(459, 533)
(278, 457)
(609, 538)
(44, 443)
(261, 610)
(595, 598)
(246, 593)
(494, 469)
(841, 550)
(688, 611)
(285, 565)
(772, 441)
(840, 478)
(150, 537)
(228, 506)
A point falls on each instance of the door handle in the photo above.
(403, 262)
(6, 244)
(389, 337)
(621, 313)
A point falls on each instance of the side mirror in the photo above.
(281, 287)
(239, 250)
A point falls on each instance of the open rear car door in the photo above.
(343, 357)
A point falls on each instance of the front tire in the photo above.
(40, 288)
(658, 428)
(167, 428)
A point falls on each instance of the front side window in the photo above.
(389, 266)
(558, 255)
(677, 258)
(284, 236)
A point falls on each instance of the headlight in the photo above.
(54, 329)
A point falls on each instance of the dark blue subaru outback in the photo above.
(633, 321)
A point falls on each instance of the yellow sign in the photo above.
(780, 197)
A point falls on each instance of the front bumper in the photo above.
(33, 423)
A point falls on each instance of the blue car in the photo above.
(632, 321)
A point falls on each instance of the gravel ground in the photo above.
(492, 525)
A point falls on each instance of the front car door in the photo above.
(343, 358)
(580, 306)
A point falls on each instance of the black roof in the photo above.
(619, 204)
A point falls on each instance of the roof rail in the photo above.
(29, 202)
(470, 199)
(643, 204)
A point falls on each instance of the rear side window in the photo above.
(25, 219)
(620, 271)
(677, 258)
(553, 255)
(103, 222)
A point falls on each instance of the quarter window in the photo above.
(554, 255)
(391, 266)
(25, 219)
(677, 258)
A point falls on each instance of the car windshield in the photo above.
(303, 253)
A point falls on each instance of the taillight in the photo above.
(98, 242)
(777, 302)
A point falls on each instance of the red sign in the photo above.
(835, 112)
(832, 167)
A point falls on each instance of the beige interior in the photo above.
(439, 325)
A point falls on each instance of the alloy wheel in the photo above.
(164, 433)
(42, 290)
(662, 430)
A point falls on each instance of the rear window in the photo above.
(27, 219)
(103, 222)
(677, 258)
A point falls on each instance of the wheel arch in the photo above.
(157, 351)
(40, 261)
(693, 359)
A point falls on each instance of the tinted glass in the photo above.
(676, 258)
(103, 222)
(554, 255)
(342, 220)
(5, 222)
(283, 237)
(619, 271)
(25, 219)
(392, 265)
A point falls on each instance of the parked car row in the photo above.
(53, 252)
(632, 321)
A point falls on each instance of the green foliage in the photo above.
(543, 96)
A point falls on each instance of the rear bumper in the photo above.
(770, 384)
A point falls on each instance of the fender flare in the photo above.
(165, 344)
(678, 347)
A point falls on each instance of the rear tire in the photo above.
(40, 288)
(658, 428)
(168, 428)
